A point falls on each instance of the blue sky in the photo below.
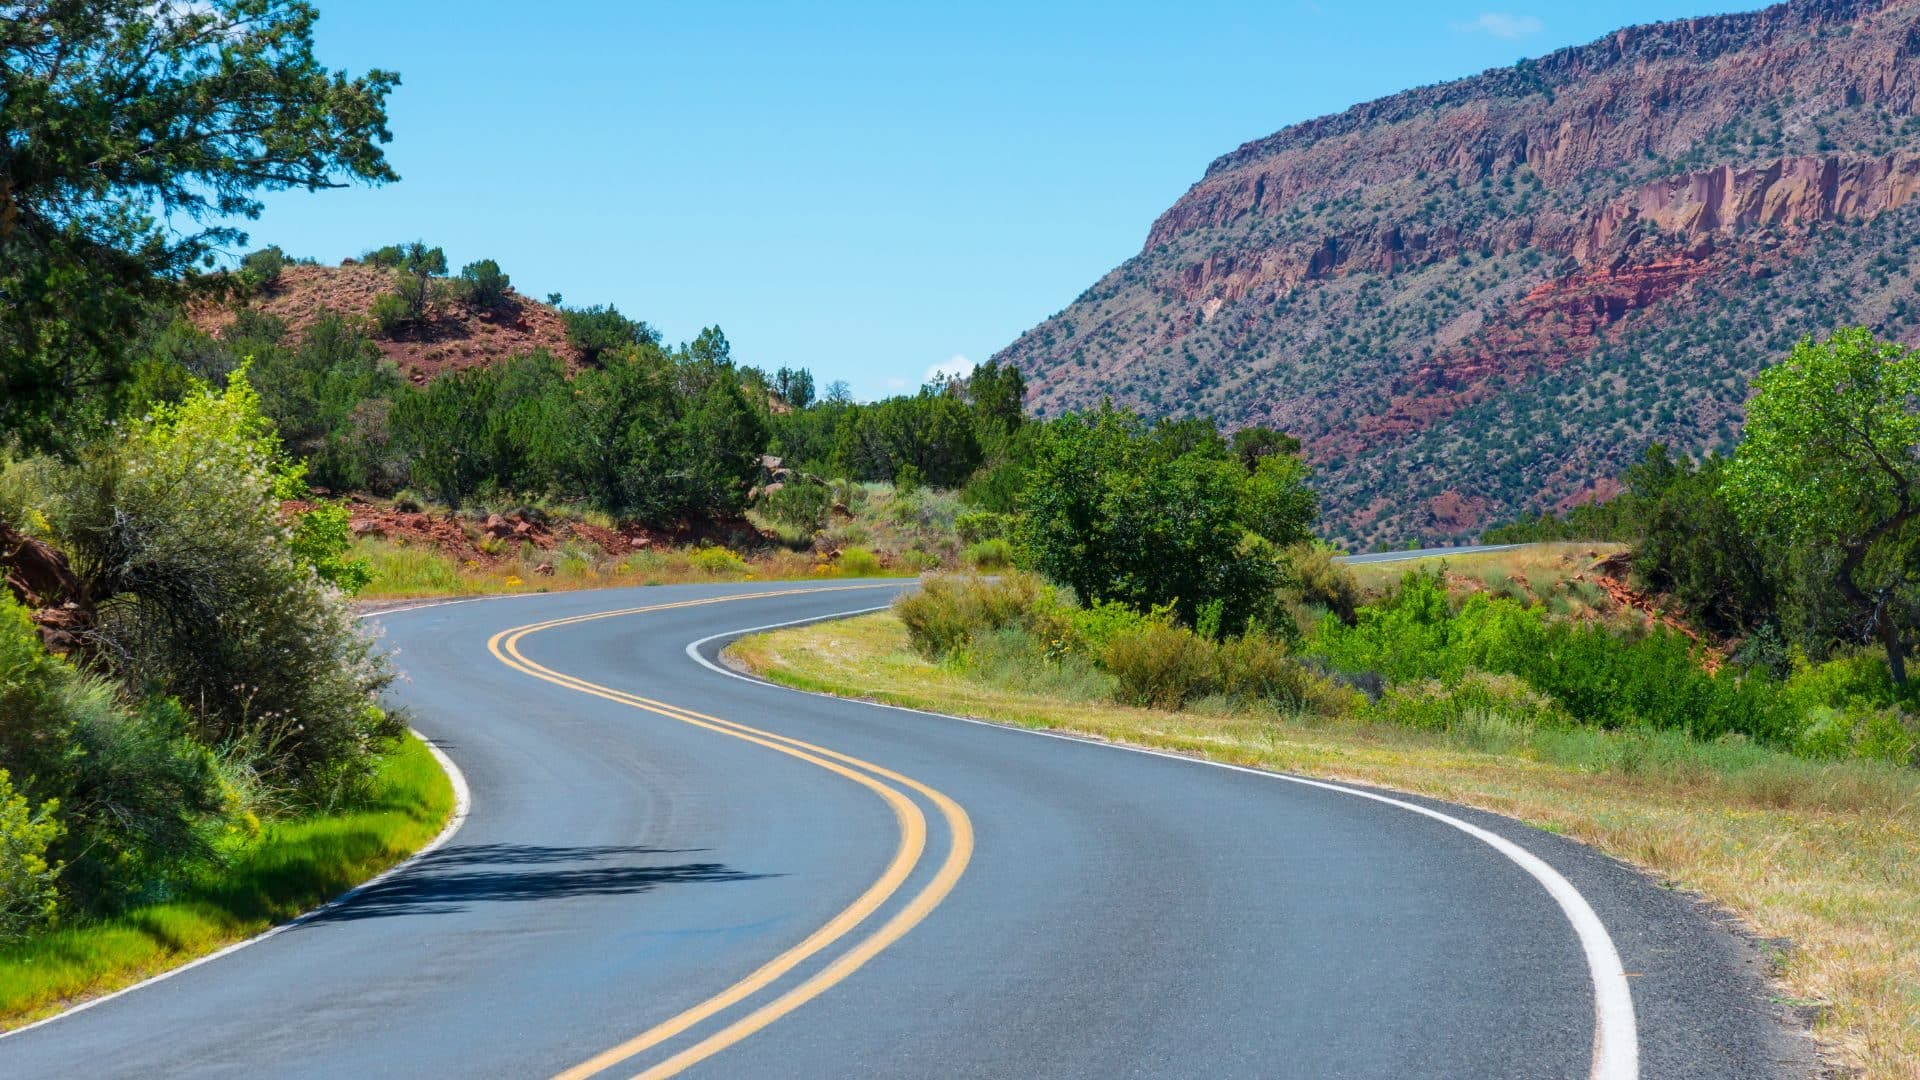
(869, 190)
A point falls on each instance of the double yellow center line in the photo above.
(505, 646)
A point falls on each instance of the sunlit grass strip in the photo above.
(1825, 855)
(294, 866)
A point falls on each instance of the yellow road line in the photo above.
(505, 647)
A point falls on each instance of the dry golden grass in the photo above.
(1536, 571)
(1827, 856)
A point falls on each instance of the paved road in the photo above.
(858, 891)
(1427, 553)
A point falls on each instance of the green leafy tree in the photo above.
(132, 127)
(1151, 517)
(484, 284)
(1829, 467)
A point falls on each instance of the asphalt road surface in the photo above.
(667, 868)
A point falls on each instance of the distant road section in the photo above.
(1427, 553)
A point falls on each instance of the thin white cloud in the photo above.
(896, 384)
(956, 367)
(1503, 25)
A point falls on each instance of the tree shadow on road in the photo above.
(448, 880)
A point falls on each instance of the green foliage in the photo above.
(1160, 666)
(1599, 678)
(1157, 516)
(413, 283)
(174, 527)
(799, 504)
(948, 611)
(262, 268)
(794, 387)
(1694, 549)
(1828, 468)
(994, 554)
(657, 437)
(114, 108)
(322, 539)
(859, 562)
(1319, 581)
(132, 791)
(908, 480)
(483, 285)
(981, 525)
(390, 312)
(599, 332)
(29, 898)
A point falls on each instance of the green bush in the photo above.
(483, 286)
(1258, 668)
(388, 257)
(29, 897)
(174, 526)
(982, 525)
(1321, 582)
(262, 268)
(859, 562)
(949, 610)
(599, 331)
(798, 504)
(390, 312)
(718, 561)
(133, 791)
(1161, 666)
(995, 554)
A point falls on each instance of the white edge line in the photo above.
(462, 803)
(1616, 1045)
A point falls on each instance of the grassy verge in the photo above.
(1824, 855)
(294, 866)
(403, 571)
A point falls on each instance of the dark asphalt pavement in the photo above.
(1122, 914)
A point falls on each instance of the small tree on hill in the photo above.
(1830, 466)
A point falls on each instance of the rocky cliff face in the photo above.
(1483, 297)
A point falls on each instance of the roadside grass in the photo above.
(413, 571)
(1823, 855)
(294, 865)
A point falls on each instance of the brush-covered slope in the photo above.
(1486, 296)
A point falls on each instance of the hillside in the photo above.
(452, 337)
(1486, 296)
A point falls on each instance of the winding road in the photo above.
(669, 868)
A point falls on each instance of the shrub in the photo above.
(388, 257)
(1321, 582)
(950, 610)
(174, 526)
(908, 480)
(859, 562)
(981, 525)
(1476, 699)
(483, 285)
(1257, 668)
(798, 504)
(262, 268)
(132, 788)
(390, 312)
(995, 554)
(1161, 666)
(597, 331)
(29, 897)
(717, 561)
